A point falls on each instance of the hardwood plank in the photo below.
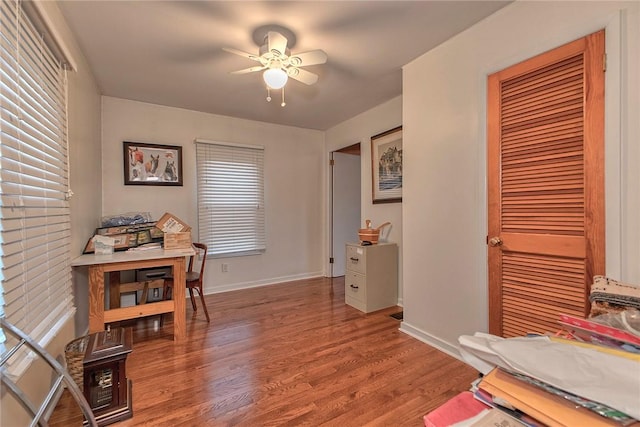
(285, 354)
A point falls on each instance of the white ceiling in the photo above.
(170, 52)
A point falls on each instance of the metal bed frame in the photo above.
(37, 413)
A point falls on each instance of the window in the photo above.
(230, 198)
(35, 272)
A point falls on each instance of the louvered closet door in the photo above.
(545, 187)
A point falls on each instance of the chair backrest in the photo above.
(201, 253)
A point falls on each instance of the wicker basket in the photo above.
(74, 356)
(370, 234)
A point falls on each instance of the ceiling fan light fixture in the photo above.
(275, 78)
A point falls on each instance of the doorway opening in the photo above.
(345, 204)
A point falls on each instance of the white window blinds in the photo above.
(230, 198)
(35, 272)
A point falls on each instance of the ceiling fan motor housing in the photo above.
(264, 52)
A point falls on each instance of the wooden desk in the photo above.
(121, 261)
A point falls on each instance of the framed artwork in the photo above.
(156, 234)
(127, 236)
(152, 164)
(143, 236)
(122, 242)
(386, 166)
(122, 229)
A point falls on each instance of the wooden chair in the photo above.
(193, 278)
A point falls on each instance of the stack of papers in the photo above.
(554, 382)
(547, 407)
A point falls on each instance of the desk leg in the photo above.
(179, 287)
(96, 299)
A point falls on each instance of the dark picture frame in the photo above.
(152, 164)
(386, 166)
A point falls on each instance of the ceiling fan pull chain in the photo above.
(268, 94)
(283, 103)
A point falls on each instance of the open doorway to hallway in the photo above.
(345, 203)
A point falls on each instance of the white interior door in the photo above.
(346, 206)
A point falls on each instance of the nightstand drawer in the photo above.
(356, 260)
(355, 287)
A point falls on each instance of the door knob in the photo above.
(495, 241)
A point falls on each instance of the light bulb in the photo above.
(275, 78)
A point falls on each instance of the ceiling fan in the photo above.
(279, 64)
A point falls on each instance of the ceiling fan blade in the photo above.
(249, 70)
(277, 43)
(312, 57)
(303, 76)
(241, 53)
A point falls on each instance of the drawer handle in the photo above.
(354, 287)
(354, 259)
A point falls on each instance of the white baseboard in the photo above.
(429, 339)
(258, 283)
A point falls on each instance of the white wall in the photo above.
(444, 107)
(294, 185)
(85, 177)
(360, 129)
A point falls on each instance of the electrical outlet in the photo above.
(156, 293)
(225, 267)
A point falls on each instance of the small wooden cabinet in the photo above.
(106, 386)
(371, 278)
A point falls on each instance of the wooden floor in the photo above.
(289, 354)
